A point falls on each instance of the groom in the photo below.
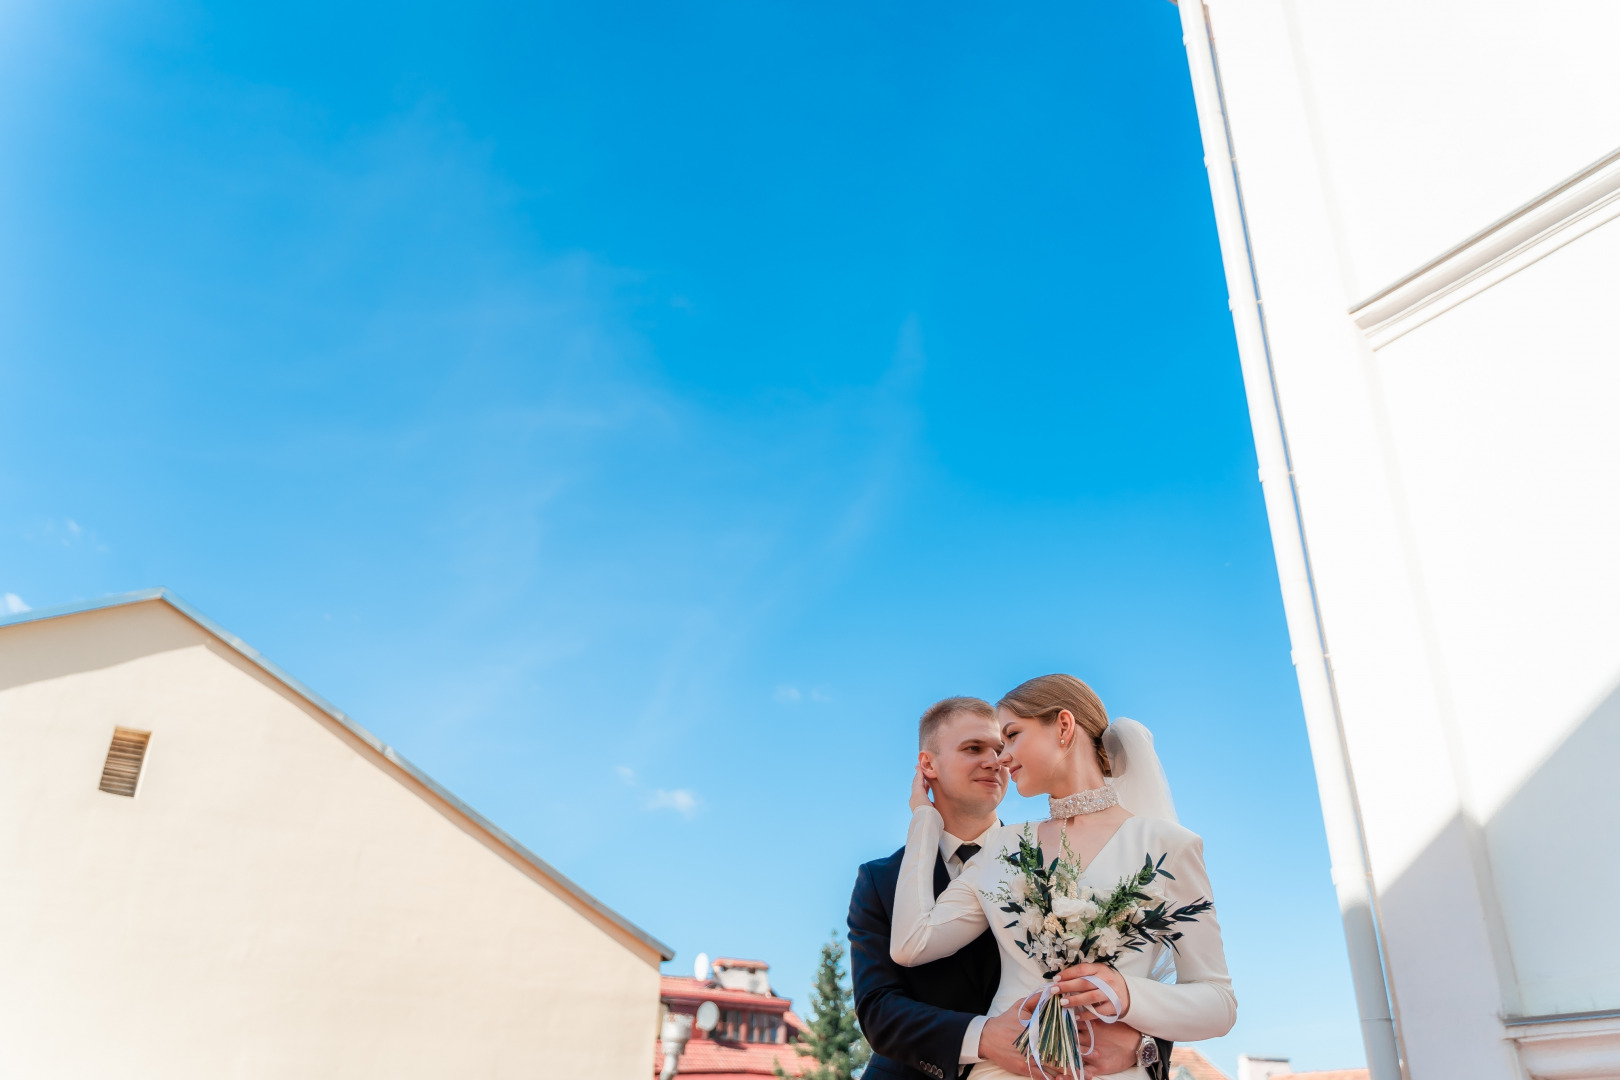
(929, 1022)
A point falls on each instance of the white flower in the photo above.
(1052, 925)
(1019, 887)
(1031, 920)
(1109, 941)
(1074, 908)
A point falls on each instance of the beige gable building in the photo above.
(281, 895)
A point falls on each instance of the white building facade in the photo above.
(209, 872)
(1416, 202)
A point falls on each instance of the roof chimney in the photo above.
(672, 1040)
(1262, 1068)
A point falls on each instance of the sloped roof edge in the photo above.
(495, 832)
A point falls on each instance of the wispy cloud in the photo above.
(65, 533)
(682, 800)
(12, 604)
(792, 695)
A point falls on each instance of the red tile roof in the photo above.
(1196, 1064)
(704, 1059)
(1199, 1068)
(684, 989)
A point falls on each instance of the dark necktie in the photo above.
(966, 852)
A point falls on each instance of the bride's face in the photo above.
(1032, 754)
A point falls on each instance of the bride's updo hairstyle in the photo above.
(1044, 696)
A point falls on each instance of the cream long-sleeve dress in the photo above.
(1198, 1005)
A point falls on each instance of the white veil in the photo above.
(1138, 778)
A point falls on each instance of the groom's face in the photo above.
(963, 765)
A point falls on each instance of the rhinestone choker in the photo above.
(1081, 802)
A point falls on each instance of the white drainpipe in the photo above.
(1334, 779)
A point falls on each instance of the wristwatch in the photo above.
(1147, 1054)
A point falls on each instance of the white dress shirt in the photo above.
(953, 866)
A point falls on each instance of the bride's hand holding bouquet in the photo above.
(1079, 992)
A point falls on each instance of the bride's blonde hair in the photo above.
(1044, 696)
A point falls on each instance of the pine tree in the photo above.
(834, 1036)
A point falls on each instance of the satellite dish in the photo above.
(708, 1015)
(700, 967)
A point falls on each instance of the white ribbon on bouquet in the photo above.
(1032, 1025)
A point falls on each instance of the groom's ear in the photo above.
(926, 760)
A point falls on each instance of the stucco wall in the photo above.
(272, 903)
(1455, 453)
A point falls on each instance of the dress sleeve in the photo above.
(924, 928)
(1200, 1003)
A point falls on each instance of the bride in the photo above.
(1107, 793)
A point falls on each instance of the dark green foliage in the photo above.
(834, 1036)
(1125, 912)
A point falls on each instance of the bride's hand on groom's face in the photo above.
(1077, 993)
(919, 789)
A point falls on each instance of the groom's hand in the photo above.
(996, 1043)
(1114, 1050)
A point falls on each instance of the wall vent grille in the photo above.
(122, 773)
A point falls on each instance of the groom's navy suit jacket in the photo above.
(914, 1018)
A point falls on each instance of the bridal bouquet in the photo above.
(1066, 923)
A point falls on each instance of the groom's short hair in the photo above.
(940, 711)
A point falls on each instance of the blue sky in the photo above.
(638, 413)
